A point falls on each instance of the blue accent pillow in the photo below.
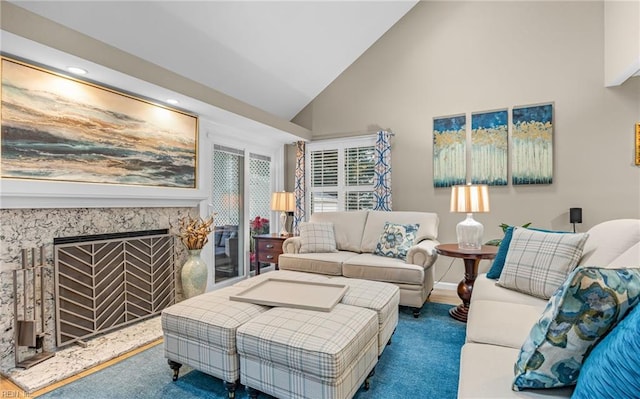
(396, 239)
(498, 262)
(583, 310)
(611, 369)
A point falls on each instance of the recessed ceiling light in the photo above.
(173, 101)
(76, 70)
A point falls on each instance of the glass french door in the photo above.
(229, 195)
(259, 201)
(228, 203)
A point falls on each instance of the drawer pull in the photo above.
(269, 246)
(269, 256)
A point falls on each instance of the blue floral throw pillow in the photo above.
(396, 239)
(584, 309)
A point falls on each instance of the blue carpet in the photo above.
(421, 362)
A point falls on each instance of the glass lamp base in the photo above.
(469, 233)
(283, 224)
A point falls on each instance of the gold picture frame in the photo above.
(638, 144)
(62, 129)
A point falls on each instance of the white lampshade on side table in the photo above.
(470, 199)
(283, 202)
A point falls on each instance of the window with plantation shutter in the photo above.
(341, 174)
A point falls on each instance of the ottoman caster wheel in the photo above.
(231, 389)
(367, 383)
(175, 366)
(253, 393)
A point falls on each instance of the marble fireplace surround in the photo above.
(33, 228)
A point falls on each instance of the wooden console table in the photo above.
(471, 260)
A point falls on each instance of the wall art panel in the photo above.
(532, 144)
(489, 147)
(449, 145)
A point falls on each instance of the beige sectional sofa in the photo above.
(357, 233)
(500, 319)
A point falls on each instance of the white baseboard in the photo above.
(446, 286)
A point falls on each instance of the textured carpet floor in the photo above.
(421, 362)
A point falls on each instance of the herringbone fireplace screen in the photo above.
(105, 282)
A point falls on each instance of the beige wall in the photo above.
(621, 40)
(445, 58)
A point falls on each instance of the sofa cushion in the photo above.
(498, 262)
(378, 268)
(608, 240)
(376, 220)
(611, 369)
(580, 313)
(488, 289)
(538, 263)
(324, 263)
(396, 239)
(628, 258)
(486, 371)
(317, 237)
(487, 324)
(347, 226)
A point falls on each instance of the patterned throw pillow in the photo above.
(538, 263)
(317, 237)
(498, 262)
(396, 239)
(589, 304)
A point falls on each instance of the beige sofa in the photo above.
(357, 233)
(500, 319)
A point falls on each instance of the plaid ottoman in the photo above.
(297, 353)
(201, 332)
(383, 298)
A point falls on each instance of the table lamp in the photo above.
(470, 199)
(283, 202)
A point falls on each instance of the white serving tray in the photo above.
(308, 295)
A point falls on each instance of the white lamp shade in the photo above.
(283, 202)
(470, 198)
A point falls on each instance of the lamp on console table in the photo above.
(470, 199)
(283, 202)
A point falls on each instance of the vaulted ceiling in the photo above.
(276, 56)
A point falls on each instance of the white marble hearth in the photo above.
(74, 359)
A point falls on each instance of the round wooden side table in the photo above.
(471, 260)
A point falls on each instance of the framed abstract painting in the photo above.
(489, 147)
(57, 128)
(532, 144)
(449, 145)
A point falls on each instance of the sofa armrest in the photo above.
(423, 254)
(291, 245)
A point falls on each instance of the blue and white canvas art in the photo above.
(61, 129)
(449, 145)
(489, 147)
(532, 145)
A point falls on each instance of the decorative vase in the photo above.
(193, 275)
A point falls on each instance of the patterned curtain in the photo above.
(299, 190)
(382, 170)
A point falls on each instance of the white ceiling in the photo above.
(276, 56)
